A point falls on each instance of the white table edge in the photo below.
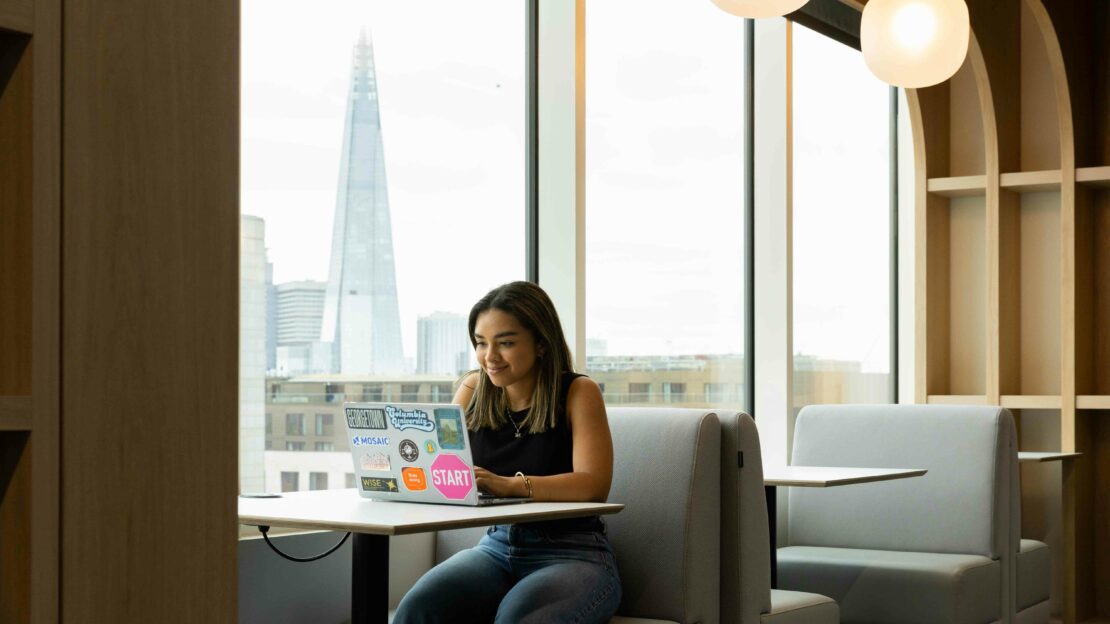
(892, 474)
(1029, 457)
(256, 519)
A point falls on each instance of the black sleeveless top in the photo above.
(535, 454)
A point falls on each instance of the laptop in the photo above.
(414, 452)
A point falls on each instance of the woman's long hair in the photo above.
(533, 309)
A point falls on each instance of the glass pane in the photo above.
(382, 190)
(841, 225)
(664, 202)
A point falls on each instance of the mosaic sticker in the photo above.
(365, 418)
(451, 477)
(414, 479)
(450, 429)
(375, 462)
(408, 450)
(412, 419)
(429, 447)
(369, 441)
(374, 484)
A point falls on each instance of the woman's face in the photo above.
(505, 349)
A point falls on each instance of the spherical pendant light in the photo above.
(759, 8)
(914, 43)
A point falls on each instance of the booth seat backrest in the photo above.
(962, 505)
(745, 536)
(666, 472)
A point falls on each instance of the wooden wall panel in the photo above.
(967, 296)
(15, 215)
(1039, 129)
(15, 527)
(1100, 280)
(150, 316)
(1039, 272)
(966, 146)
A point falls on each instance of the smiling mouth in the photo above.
(493, 371)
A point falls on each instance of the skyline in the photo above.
(452, 97)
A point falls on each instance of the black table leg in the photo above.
(369, 579)
(772, 524)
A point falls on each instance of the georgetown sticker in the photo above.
(364, 418)
(408, 450)
(369, 441)
(375, 462)
(450, 429)
(413, 419)
(374, 484)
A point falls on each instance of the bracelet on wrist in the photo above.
(527, 482)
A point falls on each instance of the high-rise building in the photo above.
(361, 315)
(252, 353)
(271, 318)
(300, 311)
(442, 344)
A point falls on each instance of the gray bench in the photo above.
(939, 548)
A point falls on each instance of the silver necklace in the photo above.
(509, 414)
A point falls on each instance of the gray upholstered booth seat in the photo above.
(891, 586)
(1033, 580)
(881, 548)
(666, 472)
(791, 607)
(746, 595)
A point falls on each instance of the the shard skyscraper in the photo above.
(361, 318)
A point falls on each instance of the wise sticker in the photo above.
(451, 476)
(375, 484)
(429, 447)
(375, 461)
(408, 450)
(414, 479)
(369, 440)
(412, 419)
(365, 418)
(450, 430)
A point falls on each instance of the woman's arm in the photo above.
(592, 459)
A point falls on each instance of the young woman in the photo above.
(539, 429)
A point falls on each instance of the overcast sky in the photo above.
(664, 164)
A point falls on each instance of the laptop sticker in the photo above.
(375, 462)
(364, 418)
(409, 451)
(369, 440)
(450, 429)
(374, 484)
(451, 476)
(429, 447)
(412, 419)
(414, 480)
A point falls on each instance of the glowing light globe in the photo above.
(914, 43)
(759, 8)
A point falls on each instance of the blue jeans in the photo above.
(518, 574)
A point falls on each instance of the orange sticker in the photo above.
(414, 479)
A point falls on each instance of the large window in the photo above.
(383, 192)
(665, 202)
(841, 194)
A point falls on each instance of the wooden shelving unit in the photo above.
(1013, 261)
(16, 102)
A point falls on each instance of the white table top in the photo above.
(1025, 457)
(829, 476)
(345, 510)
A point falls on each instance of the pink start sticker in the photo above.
(451, 477)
